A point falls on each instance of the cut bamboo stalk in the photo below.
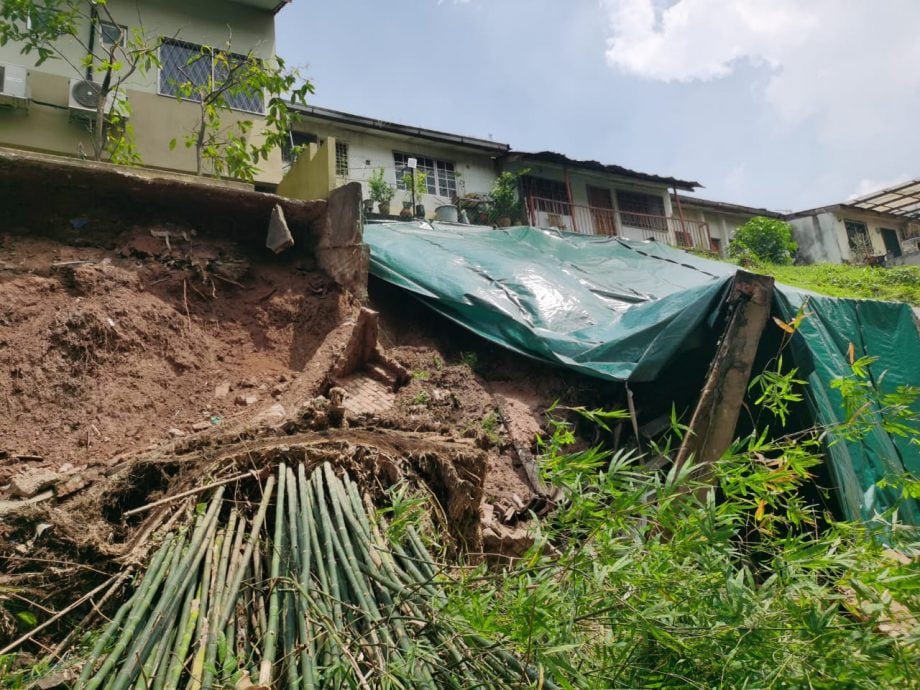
(270, 641)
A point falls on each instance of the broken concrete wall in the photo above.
(339, 245)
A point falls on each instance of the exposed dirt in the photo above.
(154, 362)
(101, 358)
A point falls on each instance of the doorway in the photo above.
(602, 213)
(890, 238)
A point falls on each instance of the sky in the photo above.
(783, 104)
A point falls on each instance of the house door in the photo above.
(601, 204)
(890, 238)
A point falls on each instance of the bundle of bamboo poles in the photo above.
(318, 599)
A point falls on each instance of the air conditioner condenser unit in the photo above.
(83, 99)
(14, 85)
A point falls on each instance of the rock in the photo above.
(246, 400)
(72, 485)
(278, 390)
(201, 426)
(27, 485)
(66, 468)
(279, 236)
(175, 433)
(222, 390)
(270, 417)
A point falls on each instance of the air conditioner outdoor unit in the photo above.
(14, 85)
(83, 99)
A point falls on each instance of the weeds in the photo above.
(636, 582)
(469, 359)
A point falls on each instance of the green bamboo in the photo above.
(237, 578)
(155, 661)
(270, 641)
(304, 627)
(170, 598)
(127, 632)
(115, 625)
(210, 658)
(187, 626)
(331, 589)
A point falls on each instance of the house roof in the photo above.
(273, 6)
(349, 119)
(560, 159)
(726, 207)
(901, 200)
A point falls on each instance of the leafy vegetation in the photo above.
(504, 203)
(636, 583)
(899, 283)
(764, 239)
(379, 189)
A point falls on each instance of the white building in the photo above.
(884, 225)
(342, 148)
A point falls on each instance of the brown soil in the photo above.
(137, 367)
(101, 358)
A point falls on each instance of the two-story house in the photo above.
(49, 107)
(597, 199)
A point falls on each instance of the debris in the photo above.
(279, 236)
(71, 486)
(246, 400)
(273, 415)
(201, 426)
(222, 390)
(31, 483)
(175, 433)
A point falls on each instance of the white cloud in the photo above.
(850, 67)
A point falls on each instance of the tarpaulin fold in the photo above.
(623, 310)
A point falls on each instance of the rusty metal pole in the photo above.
(712, 427)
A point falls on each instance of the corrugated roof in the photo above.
(351, 120)
(727, 207)
(901, 200)
(560, 159)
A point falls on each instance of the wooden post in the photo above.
(712, 428)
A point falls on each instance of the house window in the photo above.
(858, 236)
(205, 70)
(296, 140)
(440, 176)
(112, 34)
(341, 159)
(641, 210)
(549, 196)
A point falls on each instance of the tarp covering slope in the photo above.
(611, 308)
(622, 310)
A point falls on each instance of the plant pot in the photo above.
(368, 206)
(420, 210)
(384, 208)
(504, 222)
(406, 210)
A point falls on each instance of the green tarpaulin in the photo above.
(623, 310)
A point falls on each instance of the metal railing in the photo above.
(593, 220)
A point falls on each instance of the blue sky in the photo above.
(786, 104)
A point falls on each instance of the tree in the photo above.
(764, 239)
(227, 144)
(40, 26)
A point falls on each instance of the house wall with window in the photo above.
(842, 234)
(157, 116)
(603, 203)
(723, 219)
(451, 169)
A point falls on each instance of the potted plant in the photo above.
(421, 189)
(504, 204)
(381, 191)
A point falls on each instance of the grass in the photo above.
(897, 284)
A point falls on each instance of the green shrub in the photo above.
(766, 239)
